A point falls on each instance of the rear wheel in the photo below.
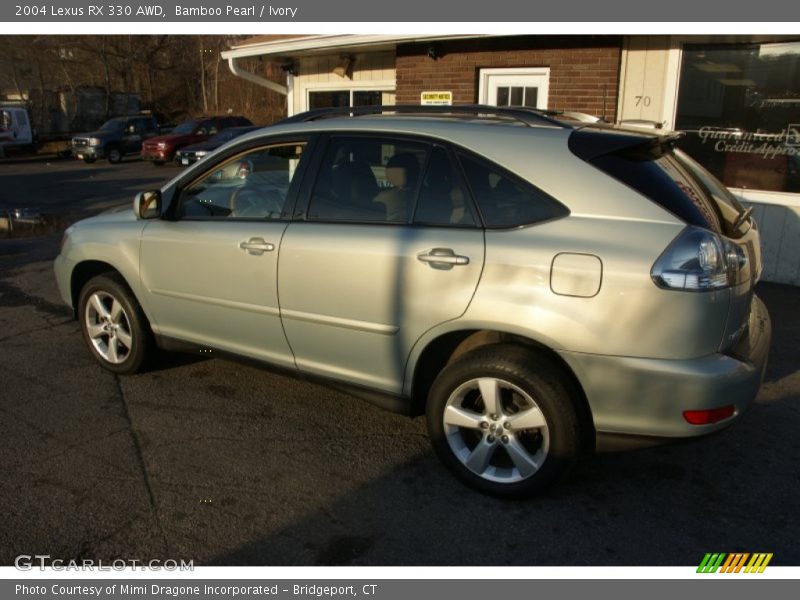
(502, 420)
(114, 326)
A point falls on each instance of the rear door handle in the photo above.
(256, 246)
(442, 257)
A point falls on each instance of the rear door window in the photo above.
(443, 201)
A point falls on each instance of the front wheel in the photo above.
(114, 326)
(501, 418)
(114, 155)
(89, 159)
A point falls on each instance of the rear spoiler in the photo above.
(591, 142)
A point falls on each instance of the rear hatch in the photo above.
(651, 165)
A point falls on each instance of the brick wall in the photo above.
(584, 70)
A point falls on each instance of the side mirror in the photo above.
(147, 205)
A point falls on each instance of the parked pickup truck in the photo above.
(115, 139)
(162, 149)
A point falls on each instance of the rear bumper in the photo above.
(645, 398)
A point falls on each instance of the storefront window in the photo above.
(740, 108)
(367, 98)
(345, 98)
(328, 99)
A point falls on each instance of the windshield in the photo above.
(113, 125)
(224, 136)
(229, 134)
(187, 127)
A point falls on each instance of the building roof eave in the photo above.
(317, 44)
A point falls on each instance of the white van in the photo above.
(15, 128)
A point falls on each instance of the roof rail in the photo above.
(530, 117)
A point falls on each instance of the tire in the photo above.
(89, 159)
(114, 327)
(531, 440)
(114, 155)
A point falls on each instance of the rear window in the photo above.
(729, 207)
(660, 176)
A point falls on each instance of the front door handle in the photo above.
(256, 246)
(442, 258)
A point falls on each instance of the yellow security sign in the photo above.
(436, 98)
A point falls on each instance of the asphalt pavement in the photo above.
(222, 463)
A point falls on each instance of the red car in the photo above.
(162, 149)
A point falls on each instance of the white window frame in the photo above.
(543, 97)
(377, 85)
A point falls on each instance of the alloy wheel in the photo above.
(496, 430)
(108, 327)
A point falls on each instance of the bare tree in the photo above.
(162, 70)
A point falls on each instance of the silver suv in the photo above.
(537, 287)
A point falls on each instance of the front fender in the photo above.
(108, 240)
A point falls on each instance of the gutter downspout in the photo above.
(253, 78)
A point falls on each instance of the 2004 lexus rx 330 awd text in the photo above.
(537, 287)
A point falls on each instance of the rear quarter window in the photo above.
(505, 200)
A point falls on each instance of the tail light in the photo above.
(699, 260)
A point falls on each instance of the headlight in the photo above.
(161, 145)
(200, 154)
(699, 260)
(94, 141)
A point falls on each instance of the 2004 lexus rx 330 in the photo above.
(537, 288)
